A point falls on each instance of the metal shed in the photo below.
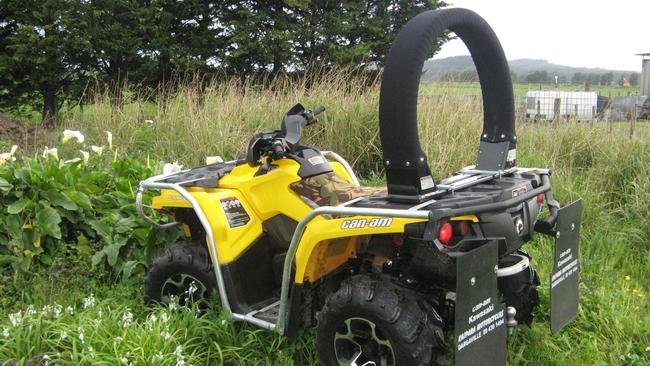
(645, 73)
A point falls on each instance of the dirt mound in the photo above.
(15, 131)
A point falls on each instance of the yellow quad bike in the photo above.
(288, 239)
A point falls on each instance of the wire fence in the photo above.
(620, 110)
(622, 113)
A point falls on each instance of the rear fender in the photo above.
(328, 244)
(479, 320)
(566, 271)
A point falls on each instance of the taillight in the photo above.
(446, 232)
(540, 198)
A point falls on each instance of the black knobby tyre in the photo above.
(371, 319)
(183, 271)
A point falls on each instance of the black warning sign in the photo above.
(235, 212)
(566, 275)
(480, 329)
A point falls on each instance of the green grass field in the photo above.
(520, 89)
(609, 171)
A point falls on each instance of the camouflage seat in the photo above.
(330, 189)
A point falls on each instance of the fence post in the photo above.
(556, 110)
(609, 107)
(575, 107)
(632, 120)
(593, 114)
(538, 116)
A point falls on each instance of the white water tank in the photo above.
(540, 104)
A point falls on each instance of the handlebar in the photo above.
(277, 149)
(310, 114)
(318, 110)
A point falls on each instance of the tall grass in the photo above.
(610, 172)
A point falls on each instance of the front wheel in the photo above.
(183, 274)
(372, 321)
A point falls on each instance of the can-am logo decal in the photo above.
(360, 223)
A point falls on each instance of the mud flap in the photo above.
(565, 275)
(480, 329)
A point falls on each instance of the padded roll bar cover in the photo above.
(399, 88)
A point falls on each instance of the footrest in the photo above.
(268, 313)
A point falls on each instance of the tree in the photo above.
(578, 78)
(118, 34)
(364, 30)
(275, 35)
(607, 78)
(42, 53)
(182, 37)
(514, 77)
(51, 49)
(538, 77)
(261, 35)
(634, 79)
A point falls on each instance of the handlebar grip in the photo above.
(278, 148)
(318, 110)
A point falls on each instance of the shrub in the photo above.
(54, 208)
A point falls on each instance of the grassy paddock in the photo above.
(609, 171)
(520, 89)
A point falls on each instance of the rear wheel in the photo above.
(183, 273)
(372, 321)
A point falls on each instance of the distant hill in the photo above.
(435, 68)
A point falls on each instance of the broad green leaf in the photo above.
(48, 220)
(46, 259)
(8, 259)
(59, 199)
(102, 228)
(83, 246)
(113, 250)
(97, 257)
(18, 206)
(128, 268)
(23, 175)
(12, 223)
(142, 234)
(5, 186)
(79, 198)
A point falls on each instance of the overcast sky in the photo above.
(594, 33)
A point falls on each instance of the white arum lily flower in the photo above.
(99, 150)
(149, 121)
(70, 134)
(89, 301)
(109, 138)
(172, 168)
(85, 156)
(75, 160)
(8, 156)
(53, 153)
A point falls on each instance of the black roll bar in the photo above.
(407, 172)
